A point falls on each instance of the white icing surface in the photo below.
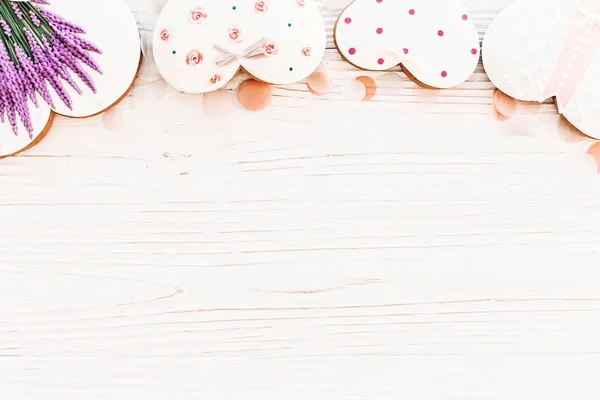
(290, 63)
(109, 25)
(11, 143)
(521, 49)
(436, 41)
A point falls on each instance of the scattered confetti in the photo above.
(354, 90)
(594, 151)
(318, 83)
(504, 106)
(370, 87)
(254, 95)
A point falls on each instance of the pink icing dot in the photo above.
(379, 1)
(473, 51)
(411, 11)
(348, 20)
(380, 61)
(379, 31)
(464, 17)
(440, 33)
(352, 51)
(405, 51)
(444, 74)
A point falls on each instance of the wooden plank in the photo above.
(407, 247)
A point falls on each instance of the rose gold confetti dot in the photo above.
(498, 116)
(594, 151)
(353, 89)
(370, 87)
(318, 83)
(503, 104)
(254, 95)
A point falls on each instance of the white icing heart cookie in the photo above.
(434, 40)
(200, 45)
(106, 32)
(538, 49)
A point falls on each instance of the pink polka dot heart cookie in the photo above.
(435, 41)
(535, 50)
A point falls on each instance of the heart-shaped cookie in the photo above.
(535, 50)
(434, 40)
(200, 45)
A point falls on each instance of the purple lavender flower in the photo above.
(59, 67)
(39, 48)
(15, 95)
(17, 10)
(27, 83)
(31, 75)
(46, 69)
(34, 19)
(4, 99)
(5, 27)
(70, 62)
(65, 25)
(75, 48)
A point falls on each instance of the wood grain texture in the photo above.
(410, 247)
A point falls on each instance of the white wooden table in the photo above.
(409, 247)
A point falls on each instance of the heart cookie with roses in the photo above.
(199, 46)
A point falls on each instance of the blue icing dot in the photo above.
(291, 69)
(234, 8)
(174, 52)
(290, 24)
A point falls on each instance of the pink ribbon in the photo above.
(577, 55)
